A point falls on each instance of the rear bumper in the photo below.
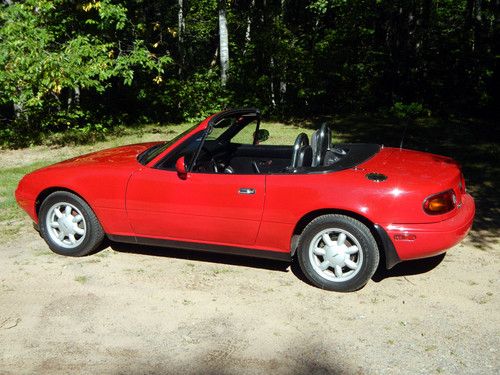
(432, 239)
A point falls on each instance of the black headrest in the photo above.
(305, 156)
(316, 146)
(321, 141)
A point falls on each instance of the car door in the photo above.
(205, 207)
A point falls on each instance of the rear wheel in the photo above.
(337, 252)
(68, 225)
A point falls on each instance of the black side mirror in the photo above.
(261, 136)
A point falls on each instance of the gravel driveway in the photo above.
(139, 310)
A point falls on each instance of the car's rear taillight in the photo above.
(440, 203)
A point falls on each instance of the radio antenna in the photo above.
(404, 134)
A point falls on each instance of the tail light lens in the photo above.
(440, 203)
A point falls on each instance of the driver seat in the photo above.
(305, 158)
(302, 155)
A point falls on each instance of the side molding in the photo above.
(232, 250)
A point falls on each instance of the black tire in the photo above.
(85, 244)
(357, 236)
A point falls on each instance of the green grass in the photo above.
(220, 271)
(81, 279)
(281, 134)
(10, 212)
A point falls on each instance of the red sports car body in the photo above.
(219, 187)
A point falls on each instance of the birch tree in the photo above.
(181, 28)
(223, 43)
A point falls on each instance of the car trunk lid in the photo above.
(420, 173)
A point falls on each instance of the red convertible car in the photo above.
(337, 208)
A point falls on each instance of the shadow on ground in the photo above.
(474, 144)
(299, 358)
(408, 268)
(201, 256)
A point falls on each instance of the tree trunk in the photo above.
(18, 111)
(224, 43)
(74, 98)
(215, 58)
(18, 107)
(469, 12)
(271, 79)
(478, 19)
(181, 28)
(249, 26)
(77, 96)
(283, 85)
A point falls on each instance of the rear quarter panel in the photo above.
(290, 197)
(398, 199)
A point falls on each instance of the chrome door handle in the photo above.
(246, 191)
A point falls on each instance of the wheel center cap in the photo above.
(65, 225)
(335, 255)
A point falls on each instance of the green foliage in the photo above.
(201, 95)
(408, 111)
(78, 67)
(44, 65)
(85, 134)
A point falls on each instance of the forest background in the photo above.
(84, 68)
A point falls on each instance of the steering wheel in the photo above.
(300, 141)
(208, 162)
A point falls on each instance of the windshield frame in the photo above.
(216, 119)
(152, 152)
(162, 151)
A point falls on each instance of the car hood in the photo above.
(123, 155)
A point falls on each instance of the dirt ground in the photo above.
(139, 310)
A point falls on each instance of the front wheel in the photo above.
(337, 252)
(68, 225)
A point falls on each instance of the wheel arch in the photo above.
(385, 246)
(93, 241)
(46, 192)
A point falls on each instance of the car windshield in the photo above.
(152, 152)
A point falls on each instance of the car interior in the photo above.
(236, 145)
